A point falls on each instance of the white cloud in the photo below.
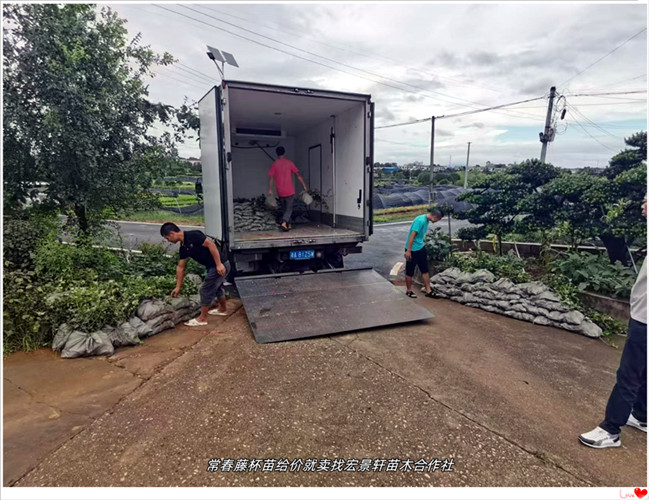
(446, 59)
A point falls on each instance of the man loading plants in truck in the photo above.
(203, 250)
(416, 251)
(281, 171)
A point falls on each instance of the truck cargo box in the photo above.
(328, 135)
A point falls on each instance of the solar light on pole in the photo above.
(223, 57)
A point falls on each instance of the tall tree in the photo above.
(76, 111)
(500, 200)
(606, 206)
(626, 189)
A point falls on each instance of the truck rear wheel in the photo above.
(335, 259)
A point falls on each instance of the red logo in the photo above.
(640, 492)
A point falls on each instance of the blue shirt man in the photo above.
(415, 251)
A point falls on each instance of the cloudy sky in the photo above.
(427, 59)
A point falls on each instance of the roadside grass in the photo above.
(182, 200)
(174, 185)
(398, 214)
(161, 216)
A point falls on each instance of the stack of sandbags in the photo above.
(251, 216)
(74, 343)
(533, 302)
(152, 317)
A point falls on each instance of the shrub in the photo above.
(23, 314)
(84, 286)
(76, 262)
(472, 233)
(596, 273)
(569, 294)
(437, 244)
(90, 306)
(505, 266)
(21, 236)
(155, 261)
(34, 311)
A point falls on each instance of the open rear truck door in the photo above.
(300, 305)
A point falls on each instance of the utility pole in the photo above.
(466, 169)
(545, 135)
(431, 189)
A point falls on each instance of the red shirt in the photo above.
(282, 171)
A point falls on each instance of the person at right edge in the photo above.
(627, 404)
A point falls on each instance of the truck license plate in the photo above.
(302, 254)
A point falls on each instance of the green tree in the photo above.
(573, 203)
(626, 189)
(607, 206)
(423, 178)
(76, 111)
(500, 200)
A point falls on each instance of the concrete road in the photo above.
(384, 248)
(504, 399)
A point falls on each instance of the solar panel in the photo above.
(229, 58)
(217, 55)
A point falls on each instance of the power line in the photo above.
(317, 62)
(624, 81)
(178, 80)
(186, 74)
(404, 143)
(489, 109)
(335, 61)
(573, 108)
(615, 103)
(588, 133)
(323, 64)
(364, 54)
(614, 99)
(288, 53)
(604, 56)
(608, 93)
(404, 123)
(460, 114)
(198, 73)
(275, 28)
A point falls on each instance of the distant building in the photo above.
(192, 160)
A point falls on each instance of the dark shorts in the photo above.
(419, 259)
(212, 287)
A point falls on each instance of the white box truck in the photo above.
(329, 136)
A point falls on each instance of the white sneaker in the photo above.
(634, 422)
(599, 438)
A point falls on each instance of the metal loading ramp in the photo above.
(295, 306)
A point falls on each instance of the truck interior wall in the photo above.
(349, 165)
(250, 166)
(313, 157)
(210, 161)
(350, 168)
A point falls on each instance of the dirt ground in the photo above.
(503, 399)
